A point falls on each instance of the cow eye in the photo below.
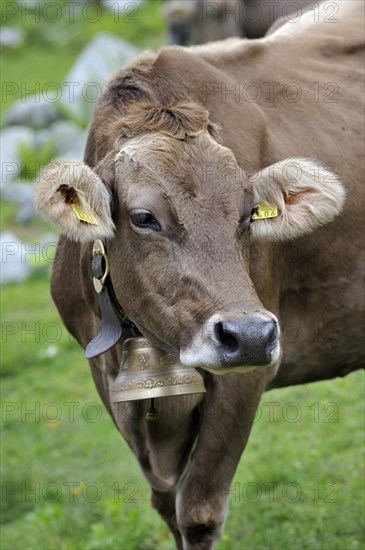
(245, 222)
(254, 210)
(243, 226)
(145, 220)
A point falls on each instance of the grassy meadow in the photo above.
(68, 479)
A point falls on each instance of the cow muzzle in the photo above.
(228, 342)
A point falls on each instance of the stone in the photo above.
(13, 259)
(69, 140)
(33, 111)
(26, 211)
(10, 141)
(68, 137)
(83, 84)
(22, 195)
(49, 352)
(75, 154)
(11, 37)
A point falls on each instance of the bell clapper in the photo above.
(152, 414)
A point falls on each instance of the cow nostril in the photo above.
(226, 338)
(273, 333)
(269, 332)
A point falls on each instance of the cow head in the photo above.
(176, 211)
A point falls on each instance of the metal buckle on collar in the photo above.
(113, 318)
(111, 325)
(100, 266)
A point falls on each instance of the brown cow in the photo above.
(183, 146)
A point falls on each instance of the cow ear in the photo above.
(74, 198)
(295, 196)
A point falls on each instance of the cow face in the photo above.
(177, 212)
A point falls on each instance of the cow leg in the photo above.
(226, 419)
(164, 503)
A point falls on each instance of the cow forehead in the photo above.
(198, 165)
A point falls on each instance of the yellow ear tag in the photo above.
(265, 211)
(81, 214)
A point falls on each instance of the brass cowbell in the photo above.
(147, 372)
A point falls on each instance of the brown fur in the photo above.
(186, 119)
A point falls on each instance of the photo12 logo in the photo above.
(69, 12)
(69, 491)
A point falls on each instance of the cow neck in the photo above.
(113, 317)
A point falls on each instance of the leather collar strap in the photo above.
(113, 318)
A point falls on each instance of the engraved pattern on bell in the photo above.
(144, 360)
(151, 383)
(147, 372)
(167, 359)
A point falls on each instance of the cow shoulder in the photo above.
(327, 28)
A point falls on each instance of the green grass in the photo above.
(281, 496)
(7, 215)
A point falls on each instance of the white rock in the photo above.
(75, 154)
(11, 37)
(34, 111)
(22, 195)
(14, 265)
(66, 136)
(82, 87)
(10, 140)
(26, 211)
(50, 351)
